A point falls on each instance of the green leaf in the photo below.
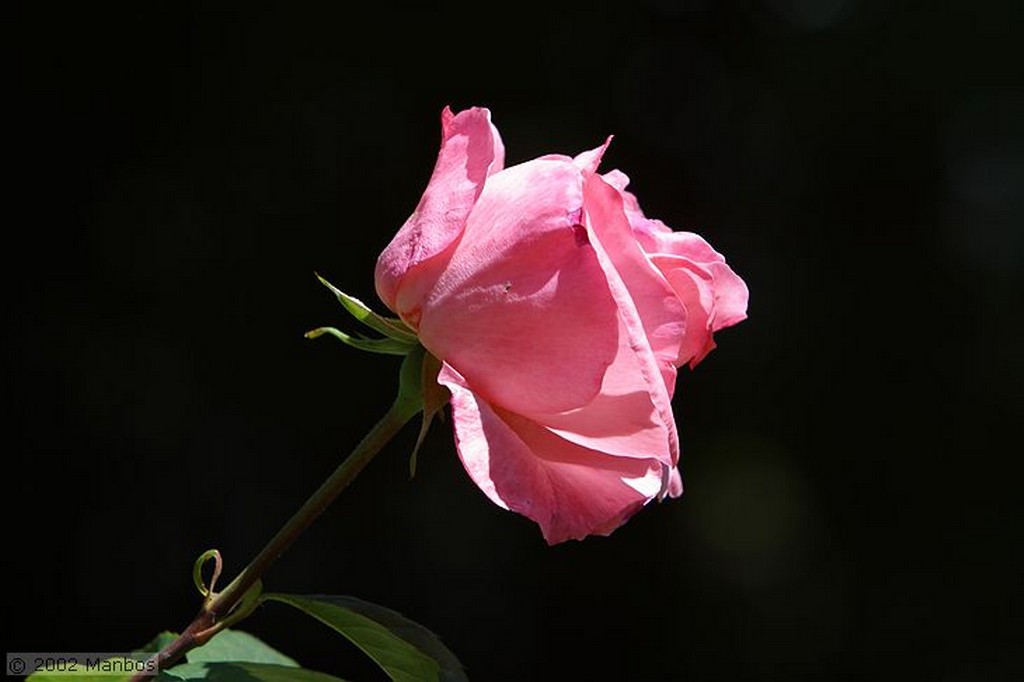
(405, 650)
(409, 630)
(238, 646)
(383, 346)
(157, 643)
(242, 672)
(388, 326)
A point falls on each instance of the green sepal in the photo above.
(434, 397)
(391, 327)
(409, 400)
(386, 346)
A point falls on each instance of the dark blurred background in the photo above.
(180, 170)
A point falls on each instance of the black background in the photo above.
(182, 169)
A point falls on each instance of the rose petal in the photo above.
(622, 419)
(694, 287)
(569, 490)
(589, 160)
(641, 224)
(731, 297)
(652, 315)
(523, 310)
(675, 483)
(714, 296)
(471, 150)
(619, 181)
(686, 244)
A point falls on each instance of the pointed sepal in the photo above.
(391, 327)
(435, 397)
(383, 346)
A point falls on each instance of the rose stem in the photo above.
(210, 618)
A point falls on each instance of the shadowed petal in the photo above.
(714, 296)
(569, 490)
(622, 419)
(653, 316)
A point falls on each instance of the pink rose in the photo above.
(560, 314)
